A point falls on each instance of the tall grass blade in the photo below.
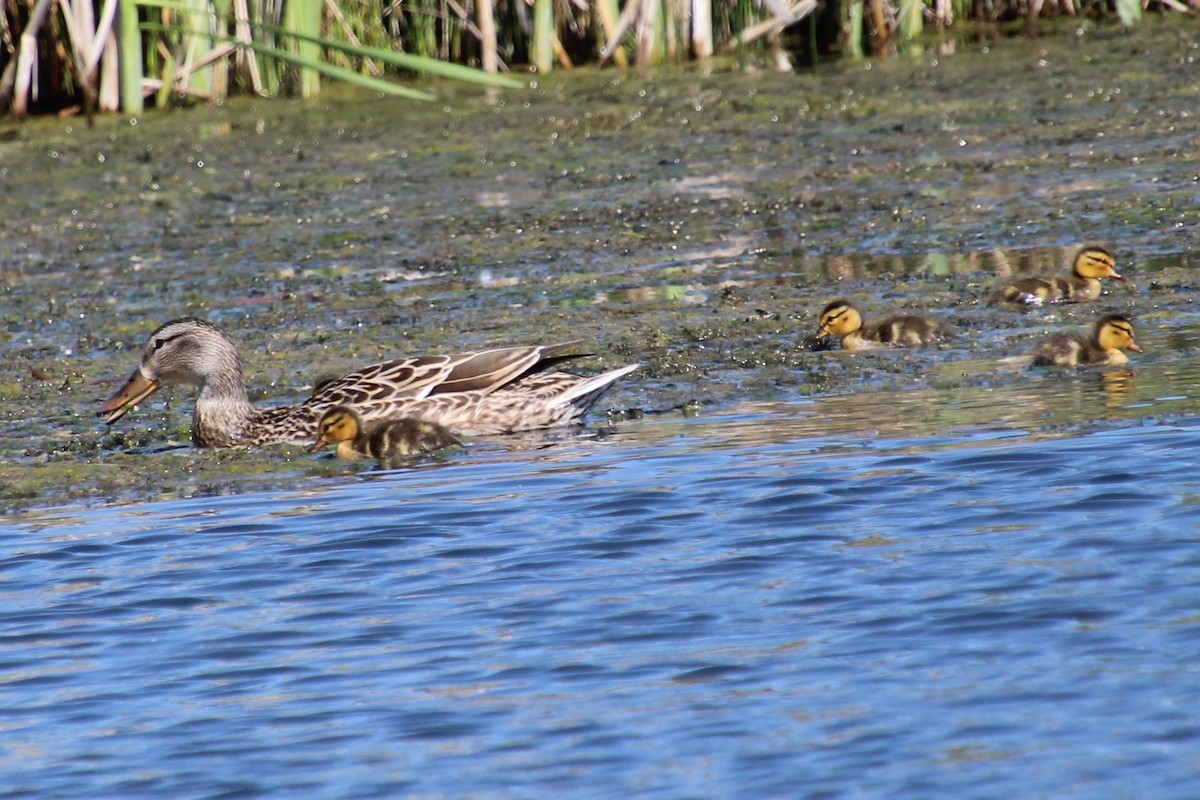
(198, 40)
(543, 35)
(129, 57)
(1129, 12)
(422, 64)
(856, 30)
(910, 19)
(343, 74)
(219, 12)
(168, 80)
(303, 17)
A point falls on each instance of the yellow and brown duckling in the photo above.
(385, 440)
(1090, 265)
(842, 318)
(1104, 344)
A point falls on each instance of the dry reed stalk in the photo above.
(606, 12)
(109, 98)
(560, 53)
(628, 15)
(781, 10)
(701, 29)
(666, 28)
(443, 51)
(336, 12)
(881, 31)
(245, 59)
(88, 40)
(647, 22)
(180, 77)
(155, 85)
(489, 57)
(24, 89)
(788, 15)
(477, 31)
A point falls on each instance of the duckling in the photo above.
(841, 318)
(1090, 265)
(386, 440)
(1110, 336)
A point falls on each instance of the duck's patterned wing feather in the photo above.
(398, 379)
(491, 391)
(491, 369)
(423, 376)
(541, 400)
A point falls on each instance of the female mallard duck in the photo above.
(1102, 345)
(485, 392)
(384, 440)
(1090, 265)
(841, 318)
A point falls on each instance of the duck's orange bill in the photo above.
(317, 445)
(1134, 347)
(1115, 275)
(135, 390)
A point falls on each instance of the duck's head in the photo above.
(1115, 332)
(1095, 262)
(338, 424)
(186, 350)
(839, 318)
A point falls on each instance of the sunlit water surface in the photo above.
(728, 606)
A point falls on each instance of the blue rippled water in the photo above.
(676, 610)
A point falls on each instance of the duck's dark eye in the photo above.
(158, 343)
